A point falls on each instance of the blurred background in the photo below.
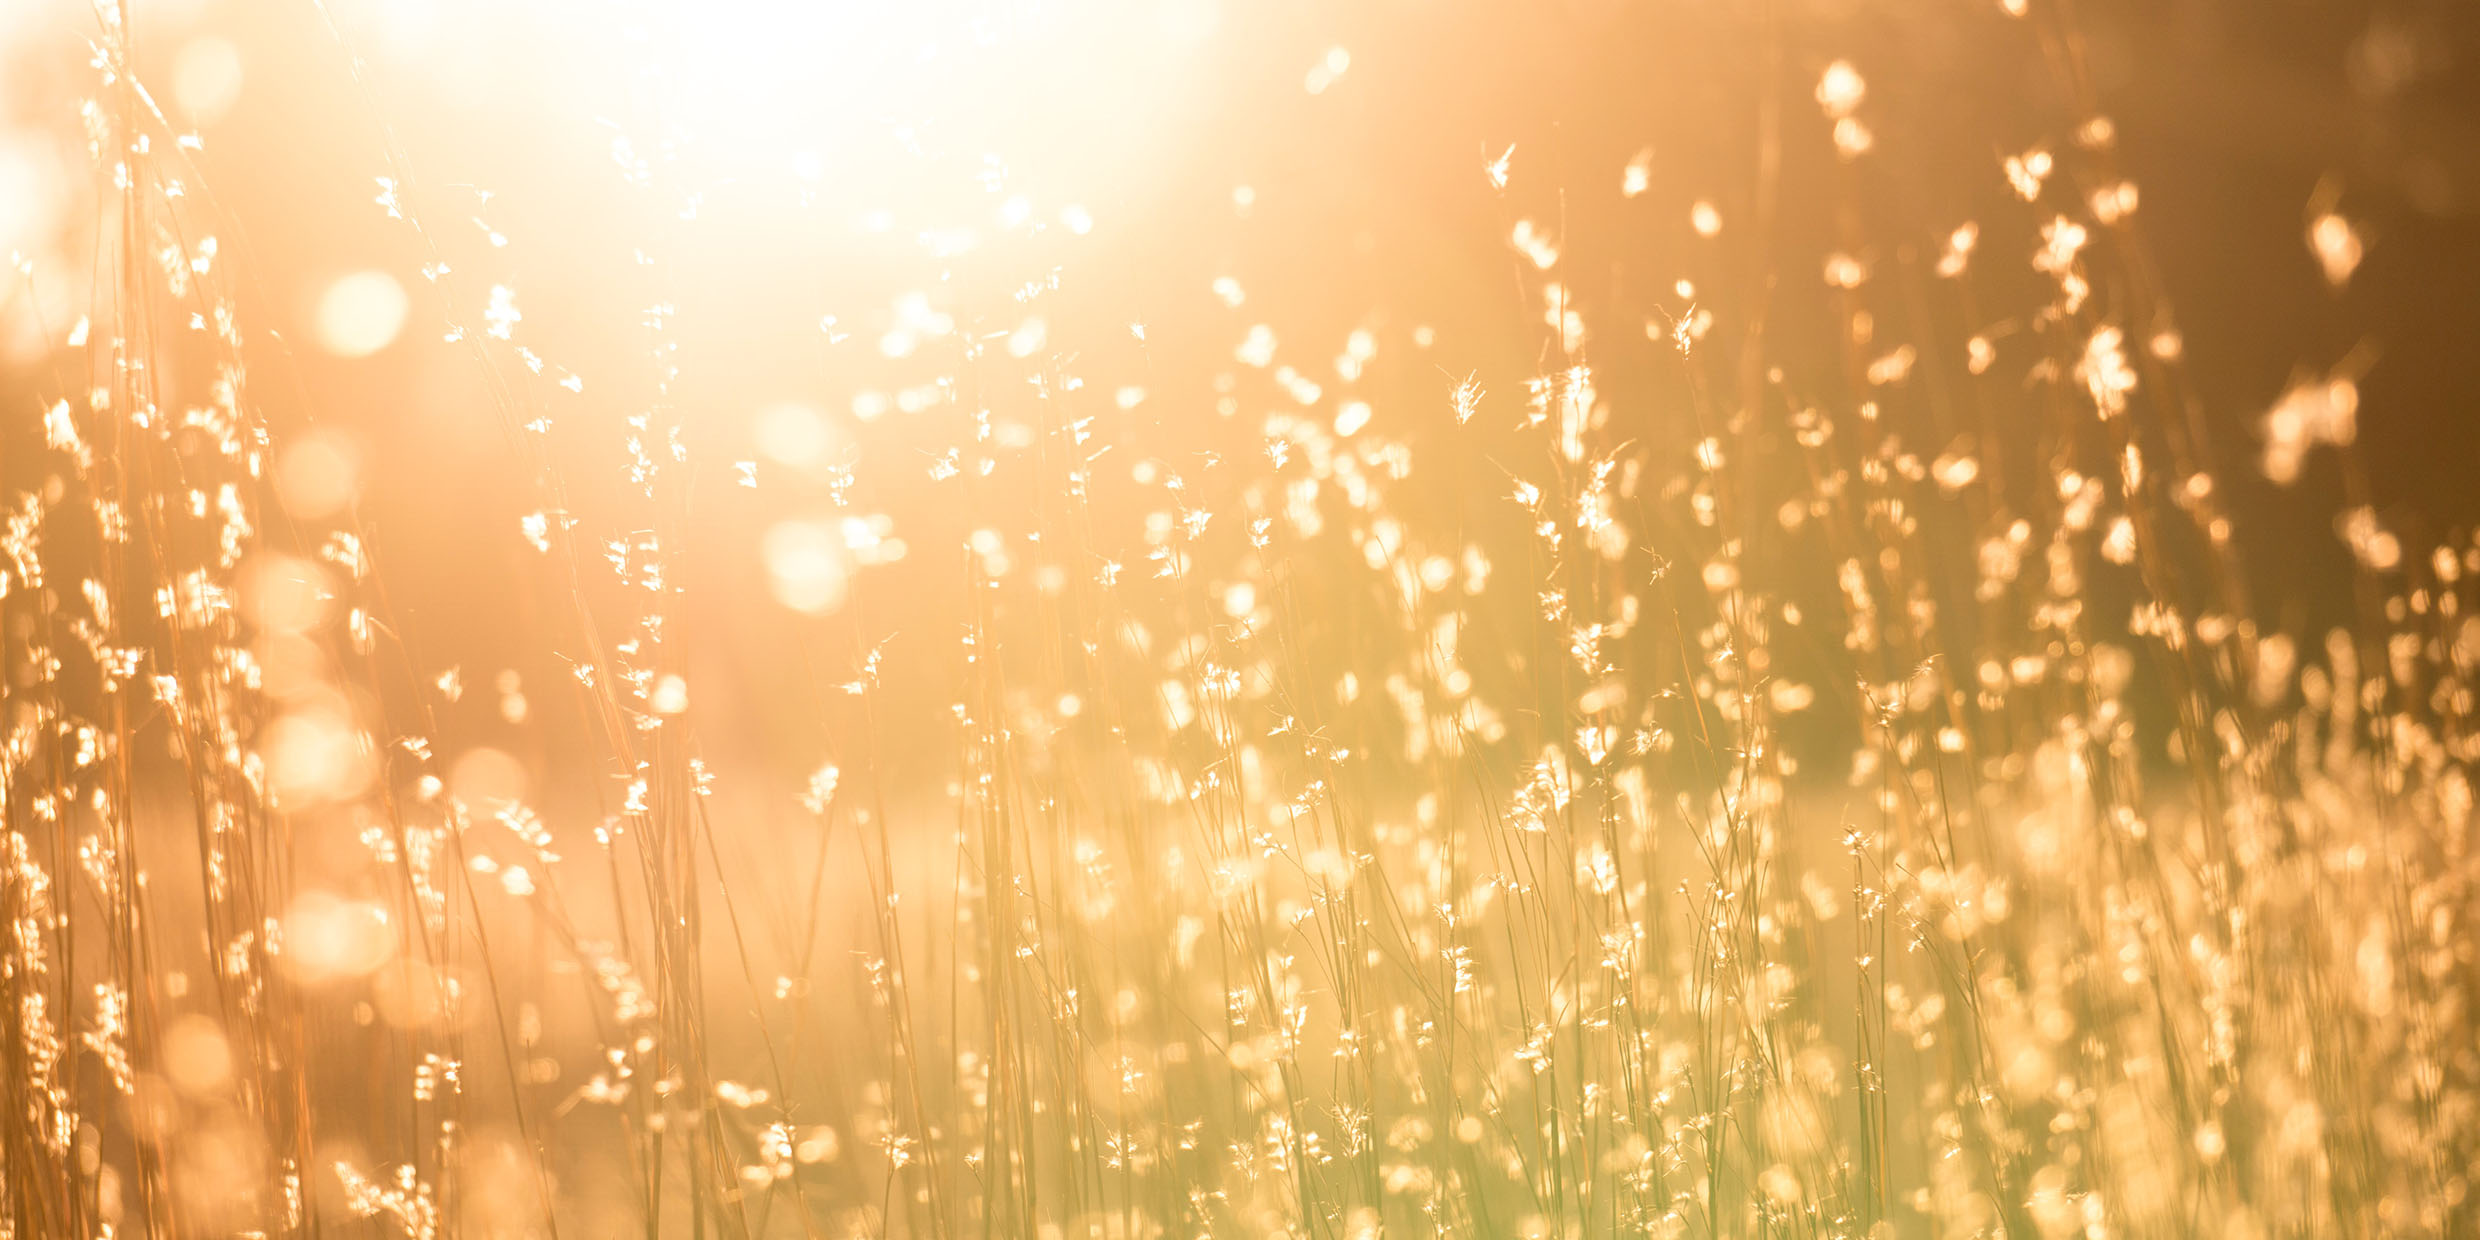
(828, 230)
(847, 267)
(853, 253)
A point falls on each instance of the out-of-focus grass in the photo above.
(1854, 796)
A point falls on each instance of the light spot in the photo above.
(807, 565)
(1840, 91)
(282, 594)
(2337, 246)
(1028, 339)
(793, 434)
(1328, 70)
(670, 696)
(326, 937)
(318, 476)
(1639, 174)
(361, 313)
(197, 1058)
(487, 779)
(206, 78)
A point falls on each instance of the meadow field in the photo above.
(1185, 619)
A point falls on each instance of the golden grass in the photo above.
(1856, 817)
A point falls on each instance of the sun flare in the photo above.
(1131, 619)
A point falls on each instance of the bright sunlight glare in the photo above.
(1205, 620)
